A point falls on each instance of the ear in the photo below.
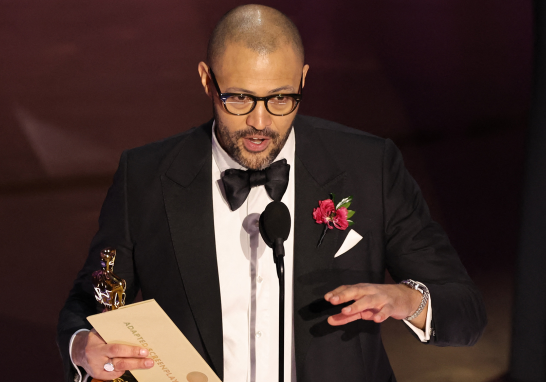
(203, 70)
(305, 69)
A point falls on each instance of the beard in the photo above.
(232, 142)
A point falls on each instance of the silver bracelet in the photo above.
(416, 285)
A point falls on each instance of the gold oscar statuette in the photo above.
(110, 293)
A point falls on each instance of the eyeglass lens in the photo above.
(241, 104)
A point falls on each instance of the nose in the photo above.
(259, 118)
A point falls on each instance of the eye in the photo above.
(239, 98)
(279, 100)
(239, 103)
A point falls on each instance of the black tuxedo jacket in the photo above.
(158, 214)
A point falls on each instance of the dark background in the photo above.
(449, 81)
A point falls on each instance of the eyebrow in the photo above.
(274, 91)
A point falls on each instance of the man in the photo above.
(187, 236)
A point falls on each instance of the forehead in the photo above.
(241, 66)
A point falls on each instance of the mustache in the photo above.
(250, 131)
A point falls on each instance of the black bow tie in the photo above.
(237, 183)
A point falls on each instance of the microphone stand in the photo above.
(275, 227)
(278, 257)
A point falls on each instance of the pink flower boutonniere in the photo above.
(331, 216)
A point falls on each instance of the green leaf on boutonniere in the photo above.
(350, 222)
(333, 197)
(350, 214)
(345, 202)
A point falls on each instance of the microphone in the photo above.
(274, 227)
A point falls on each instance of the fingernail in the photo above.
(143, 351)
(327, 296)
(347, 309)
(334, 299)
(149, 363)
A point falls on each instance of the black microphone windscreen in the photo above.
(275, 222)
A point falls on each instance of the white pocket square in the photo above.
(350, 241)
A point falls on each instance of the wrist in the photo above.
(420, 297)
(78, 347)
(416, 298)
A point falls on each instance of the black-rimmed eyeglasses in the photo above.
(242, 104)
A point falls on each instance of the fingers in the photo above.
(376, 315)
(342, 319)
(348, 293)
(328, 296)
(120, 366)
(371, 302)
(382, 315)
(361, 304)
(123, 364)
(371, 307)
(124, 351)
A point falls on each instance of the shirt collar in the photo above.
(224, 161)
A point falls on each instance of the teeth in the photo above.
(256, 141)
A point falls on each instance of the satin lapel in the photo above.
(317, 175)
(187, 191)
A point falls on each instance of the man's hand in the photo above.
(376, 302)
(91, 352)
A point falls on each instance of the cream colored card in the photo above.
(145, 324)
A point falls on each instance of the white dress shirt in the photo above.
(249, 286)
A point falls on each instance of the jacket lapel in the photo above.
(187, 192)
(317, 175)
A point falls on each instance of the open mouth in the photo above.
(256, 143)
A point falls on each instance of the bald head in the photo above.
(257, 27)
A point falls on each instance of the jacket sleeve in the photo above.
(113, 232)
(418, 248)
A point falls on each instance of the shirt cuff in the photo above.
(77, 378)
(424, 335)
